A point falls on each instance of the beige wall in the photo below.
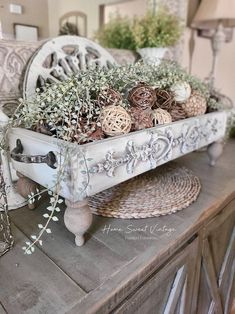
(129, 8)
(35, 12)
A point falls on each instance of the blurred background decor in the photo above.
(150, 35)
(26, 32)
(69, 29)
(73, 23)
(215, 20)
(155, 33)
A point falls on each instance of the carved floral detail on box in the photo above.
(192, 135)
(159, 147)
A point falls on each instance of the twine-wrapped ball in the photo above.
(108, 97)
(177, 113)
(142, 96)
(141, 119)
(161, 116)
(195, 106)
(115, 120)
(165, 99)
(181, 91)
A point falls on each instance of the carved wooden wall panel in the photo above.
(13, 57)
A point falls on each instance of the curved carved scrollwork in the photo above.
(158, 148)
(193, 134)
(61, 57)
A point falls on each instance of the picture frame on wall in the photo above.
(24, 32)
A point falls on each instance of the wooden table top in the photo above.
(62, 278)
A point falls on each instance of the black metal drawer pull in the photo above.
(16, 154)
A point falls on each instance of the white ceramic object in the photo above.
(14, 200)
(97, 166)
(181, 91)
(152, 55)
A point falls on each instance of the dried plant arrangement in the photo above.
(71, 110)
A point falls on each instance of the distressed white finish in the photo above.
(77, 219)
(214, 151)
(100, 165)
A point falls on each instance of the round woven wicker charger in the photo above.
(162, 191)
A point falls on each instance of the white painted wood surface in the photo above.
(100, 165)
(97, 166)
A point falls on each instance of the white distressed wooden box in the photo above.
(97, 166)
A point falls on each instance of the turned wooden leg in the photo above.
(214, 151)
(25, 187)
(78, 219)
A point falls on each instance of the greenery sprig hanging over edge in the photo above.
(71, 109)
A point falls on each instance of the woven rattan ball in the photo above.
(177, 113)
(141, 119)
(181, 91)
(115, 120)
(142, 96)
(195, 106)
(161, 116)
(109, 97)
(165, 99)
